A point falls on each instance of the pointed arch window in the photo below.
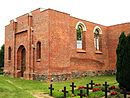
(80, 35)
(9, 53)
(97, 39)
(38, 50)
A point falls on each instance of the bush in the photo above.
(1, 70)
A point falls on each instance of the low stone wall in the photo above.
(68, 76)
(7, 73)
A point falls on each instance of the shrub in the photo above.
(112, 87)
(81, 87)
(98, 84)
(95, 89)
(113, 93)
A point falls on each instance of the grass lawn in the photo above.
(19, 88)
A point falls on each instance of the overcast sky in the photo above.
(105, 12)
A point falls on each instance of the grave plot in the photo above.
(90, 90)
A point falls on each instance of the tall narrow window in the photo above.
(38, 50)
(9, 53)
(97, 39)
(79, 37)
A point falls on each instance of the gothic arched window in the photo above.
(80, 34)
(9, 53)
(38, 50)
(97, 39)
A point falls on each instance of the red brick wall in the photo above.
(8, 42)
(113, 36)
(59, 40)
(40, 33)
(90, 54)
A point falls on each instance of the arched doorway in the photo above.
(21, 61)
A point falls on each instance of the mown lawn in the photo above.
(19, 88)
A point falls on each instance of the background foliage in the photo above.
(2, 56)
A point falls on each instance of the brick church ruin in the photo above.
(49, 43)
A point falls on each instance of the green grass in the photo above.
(19, 88)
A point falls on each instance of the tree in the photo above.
(126, 63)
(123, 62)
(120, 51)
(2, 56)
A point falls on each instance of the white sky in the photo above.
(105, 12)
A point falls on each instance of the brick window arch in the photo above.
(98, 38)
(80, 35)
(38, 50)
(9, 53)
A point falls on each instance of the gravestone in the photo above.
(125, 92)
(65, 92)
(81, 94)
(106, 87)
(51, 89)
(87, 89)
(91, 84)
(72, 86)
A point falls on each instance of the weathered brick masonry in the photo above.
(59, 57)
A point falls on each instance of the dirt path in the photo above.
(41, 95)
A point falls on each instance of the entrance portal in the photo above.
(21, 61)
